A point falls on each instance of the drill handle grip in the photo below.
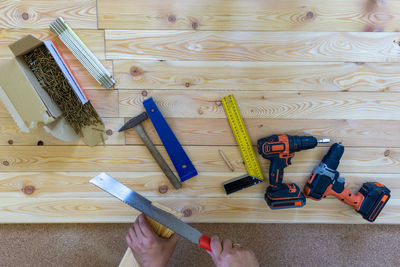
(276, 171)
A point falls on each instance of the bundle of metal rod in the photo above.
(82, 52)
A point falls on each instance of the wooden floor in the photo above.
(326, 68)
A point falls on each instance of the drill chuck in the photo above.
(332, 158)
(298, 143)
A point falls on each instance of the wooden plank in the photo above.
(271, 104)
(204, 158)
(205, 185)
(94, 39)
(84, 78)
(252, 46)
(233, 75)
(35, 14)
(217, 132)
(95, 210)
(105, 102)
(275, 15)
(10, 134)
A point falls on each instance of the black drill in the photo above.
(280, 149)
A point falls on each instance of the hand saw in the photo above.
(142, 204)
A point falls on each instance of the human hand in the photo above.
(226, 254)
(149, 249)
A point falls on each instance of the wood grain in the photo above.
(316, 76)
(217, 132)
(35, 14)
(252, 46)
(105, 102)
(10, 133)
(275, 15)
(271, 104)
(205, 185)
(111, 210)
(204, 158)
(94, 39)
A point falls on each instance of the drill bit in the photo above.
(324, 140)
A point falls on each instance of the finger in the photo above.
(128, 240)
(226, 247)
(138, 231)
(174, 239)
(216, 246)
(145, 226)
(132, 233)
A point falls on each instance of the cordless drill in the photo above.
(280, 149)
(325, 180)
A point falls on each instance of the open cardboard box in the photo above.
(30, 105)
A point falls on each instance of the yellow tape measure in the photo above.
(241, 136)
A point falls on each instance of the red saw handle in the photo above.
(205, 242)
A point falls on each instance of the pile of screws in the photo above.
(51, 78)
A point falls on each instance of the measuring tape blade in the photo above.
(241, 136)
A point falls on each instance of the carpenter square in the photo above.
(142, 204)
(178, 156)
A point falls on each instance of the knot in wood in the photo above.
(163, 189)
(25, 16)
(28, 189)
(187, 84)
(171, 18)
(187, 212)
(144, 93)
(386, 153)
(109, 132)
(135, 71)
(310, 15)
(195, 25)
(6, 163)
(10, 142)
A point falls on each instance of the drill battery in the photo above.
(376, 196)
(285, 196)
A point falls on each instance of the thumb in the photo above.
(175, 238)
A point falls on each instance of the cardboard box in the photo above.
(30, 105)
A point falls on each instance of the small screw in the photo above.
(25, 16)
(28, 190)
(109, 132)
(171, 18)
(163, 189)
(187, 212)
(10, 142)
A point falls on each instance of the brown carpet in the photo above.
(274, 244)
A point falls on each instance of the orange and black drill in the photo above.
(325, 180)
(280, 149)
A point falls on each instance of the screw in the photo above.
(163, 189)
(187, 212)
(28, 190)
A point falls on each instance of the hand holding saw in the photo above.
(142, 204)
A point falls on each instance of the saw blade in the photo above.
(142, 204)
